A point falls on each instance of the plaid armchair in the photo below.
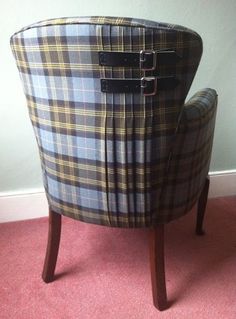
(118, 145)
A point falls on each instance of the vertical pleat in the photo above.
(145, 145)
(149, 45)
(126, 139)
(103, 134)
(113, 140)
(133, 138)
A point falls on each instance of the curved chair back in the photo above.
(105, 145)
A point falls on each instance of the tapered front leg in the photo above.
(202, 207)
(54, 234)
(157, 263)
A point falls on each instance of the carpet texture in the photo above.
(104, 272)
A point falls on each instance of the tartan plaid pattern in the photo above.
(121, 160)
(190, 155)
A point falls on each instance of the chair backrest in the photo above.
(104, 155)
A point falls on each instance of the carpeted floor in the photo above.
(104, 272)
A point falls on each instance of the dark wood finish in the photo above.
(54, 234)
(202, 207)
(157, 264)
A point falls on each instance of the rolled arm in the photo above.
(201, 108)
(190, 155)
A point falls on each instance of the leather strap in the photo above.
(145, 86)
(147, 60)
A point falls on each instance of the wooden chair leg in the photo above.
(157, 263)
(202, 207)
(54, 234)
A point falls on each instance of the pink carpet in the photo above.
(104, 272)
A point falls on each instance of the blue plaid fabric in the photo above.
(124, 159)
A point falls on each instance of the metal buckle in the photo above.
(145, 85)
(144, 55)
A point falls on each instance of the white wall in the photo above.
(214, 20)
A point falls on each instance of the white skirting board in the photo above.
(25, 205)
(33, 203)
(222, 183)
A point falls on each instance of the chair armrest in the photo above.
(194, 135)
(190, 155)
(199, 109)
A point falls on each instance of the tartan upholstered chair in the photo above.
(118, 145)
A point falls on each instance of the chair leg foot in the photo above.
(202, 207)
(54, 234)
(156, 247)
